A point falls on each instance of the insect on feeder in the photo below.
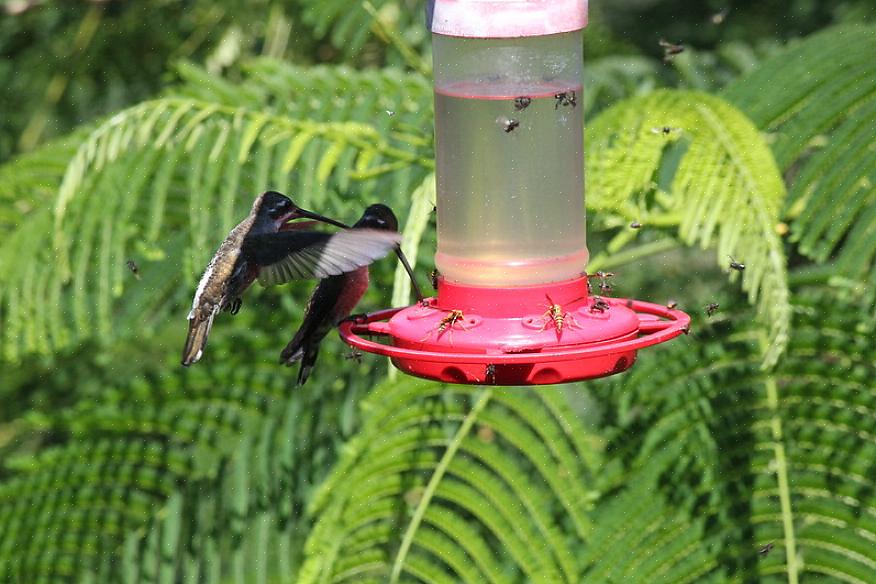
(514, 306)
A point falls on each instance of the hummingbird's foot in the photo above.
(357, 318)
(234, 306)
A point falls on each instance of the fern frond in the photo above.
(514, 477)
(349, 25)
(821, 116)
(711, 175)
(197, 475)
(30, 181)
(422, 200)
(610, 79)
(179, 164)
(784, 456)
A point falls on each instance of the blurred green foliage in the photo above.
(141, 130)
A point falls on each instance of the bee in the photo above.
(490, 374)
(433, 276)
(455, 316)
(670, 50)
(521, 103)
(665, 130)
(635, 225)
(672, 304)
(765, 550)
(508, 125)
(390, 113)
(565, 98)
(599, 305)
(354, 355)
(736, 265)
(135, 269)
(712, 308)
(555, 314)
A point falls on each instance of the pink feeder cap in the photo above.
(505, 18)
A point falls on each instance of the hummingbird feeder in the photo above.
(514, 303)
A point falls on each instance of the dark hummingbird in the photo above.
(262, 246)
(333, 300)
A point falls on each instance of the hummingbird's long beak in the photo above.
(410, 271)
(318, 217)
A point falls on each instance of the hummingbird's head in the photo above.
(276, 206)
(378, 217)
(279, 208)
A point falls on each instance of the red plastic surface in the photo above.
(507, 336)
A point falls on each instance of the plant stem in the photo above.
(782, 478)
(463, 431)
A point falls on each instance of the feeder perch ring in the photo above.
(517, 364)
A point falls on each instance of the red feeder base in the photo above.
(511, 336)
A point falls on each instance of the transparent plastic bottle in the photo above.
(510, 159)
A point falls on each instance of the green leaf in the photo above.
(711, 175)
(721, 458)
(822, 123)
(424, 459)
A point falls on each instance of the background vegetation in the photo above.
(142, 130)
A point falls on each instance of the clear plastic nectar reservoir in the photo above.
(510, 160)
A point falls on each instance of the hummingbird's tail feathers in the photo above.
(199, 330)
(292, 353)
(304, 347)
(293, 255)
(308, 360)
(301, 349)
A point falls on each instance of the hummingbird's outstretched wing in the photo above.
(294, 255)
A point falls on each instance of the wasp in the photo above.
(354, 355)
(135, 269)
(555, 314)
(765, 550)
(521, 103)
(672, 304)
(604, 285)
(670, 50)
(599, 305)
(635, 225)
(446, 324)
(736, 265)
(719, 17)
(490, 374)
(433, 276)
(486, 433)
(565, 98)
(602, 275)
(712, 308)
(508, 125)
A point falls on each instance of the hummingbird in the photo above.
(262, 247)
(333, 300)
